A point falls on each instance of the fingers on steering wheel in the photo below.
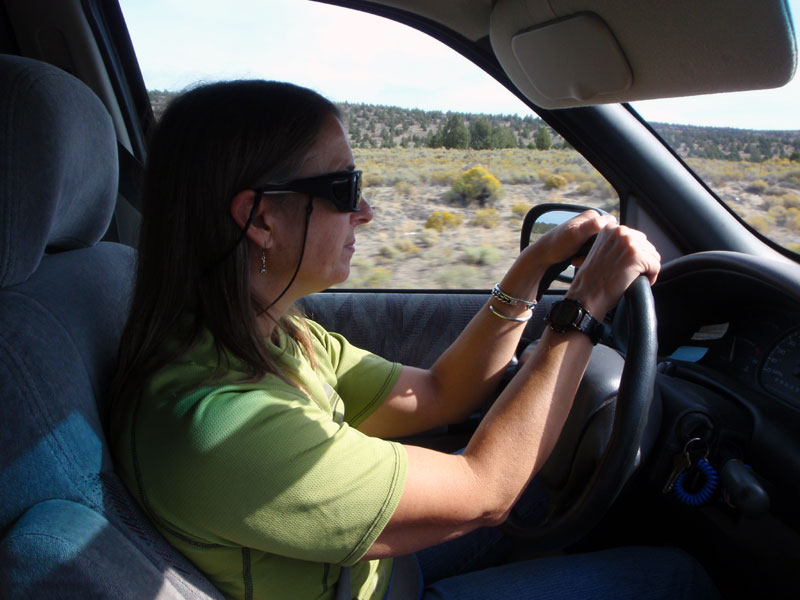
(636, 250)
(583, 227)
(591, 222)
(650, 259)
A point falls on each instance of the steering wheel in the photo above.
(572, 513)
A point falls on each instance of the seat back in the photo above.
(69, 528)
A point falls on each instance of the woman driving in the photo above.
(257, 441)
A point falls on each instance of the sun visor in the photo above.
(565, 53)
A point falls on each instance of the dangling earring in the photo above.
(263, 261)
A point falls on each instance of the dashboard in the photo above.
(729, 341)
(736, 315)
(762, 354)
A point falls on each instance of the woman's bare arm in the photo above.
(470, 370)
(446, 496)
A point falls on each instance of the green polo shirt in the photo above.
(267, 487)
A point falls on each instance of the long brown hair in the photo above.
(212, 142)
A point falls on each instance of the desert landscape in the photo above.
(404, 248)
(428, 233)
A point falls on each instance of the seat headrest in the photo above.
(58, 165)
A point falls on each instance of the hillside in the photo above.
(730, 144)
(373, 126)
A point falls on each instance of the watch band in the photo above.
(570, 315)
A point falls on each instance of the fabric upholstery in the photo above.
(62, 549)
(50, 162)
(412, 328)
(63, 302)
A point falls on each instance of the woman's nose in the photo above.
(364, 214)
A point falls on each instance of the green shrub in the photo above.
(407, 245)
(404, 188)
(519, 178)
(481, 255)
(460, 276)
(791, 200)
(389, 252)
(475, 185)
(372, 179)
(586, 188)
(438, 256)
(778, 213)
(487, 217)
(568, 176)
(443, 219)
(542, 139)
(760, 223)
(553, 182)
(759, 186)
(520, 210)
(428, 237)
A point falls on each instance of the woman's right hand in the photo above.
(618, 256)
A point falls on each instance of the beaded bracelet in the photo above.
(506, 299)
(495, 312)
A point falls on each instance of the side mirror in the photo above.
(541, 219)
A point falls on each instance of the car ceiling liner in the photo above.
(565, 53)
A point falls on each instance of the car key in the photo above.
(680, 463)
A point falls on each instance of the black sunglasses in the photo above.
(342, 189)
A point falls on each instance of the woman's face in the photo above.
(331, 234)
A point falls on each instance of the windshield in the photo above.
(746, 148)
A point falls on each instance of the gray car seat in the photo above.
(69, 528)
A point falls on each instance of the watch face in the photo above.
(566, 312)
(568, 315)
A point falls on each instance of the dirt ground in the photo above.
(429, 260)
(396, 250)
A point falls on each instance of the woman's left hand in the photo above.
(564, 241)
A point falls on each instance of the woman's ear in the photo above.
(260, 231)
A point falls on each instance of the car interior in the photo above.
(704, 367)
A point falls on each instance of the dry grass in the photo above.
(408, 187)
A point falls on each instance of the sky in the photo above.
(369, 59)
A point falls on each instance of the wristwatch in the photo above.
(570, 315)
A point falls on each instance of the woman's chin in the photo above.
(339, 277)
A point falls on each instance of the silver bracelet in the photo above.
(506, 299)
(507, 318)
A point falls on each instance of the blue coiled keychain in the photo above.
(706, 491)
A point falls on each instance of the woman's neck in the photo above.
(268, 319)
